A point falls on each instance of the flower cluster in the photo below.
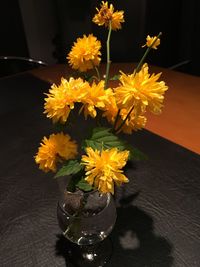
(61, 99)
(103, 168)
(56, 148)
(124, 105)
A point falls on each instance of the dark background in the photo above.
(46, 30)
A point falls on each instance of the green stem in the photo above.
(108, 56)
(146, 53)
(95, 77)
(74, 227)
(116, 119)
(123, 122)
(98, 74)
(142, 59)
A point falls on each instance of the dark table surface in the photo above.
(158, 211)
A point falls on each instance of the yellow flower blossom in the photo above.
(106, 15)
(103, 168)
(136, 121)
(141, 90)
(61, 98)
(56, 148)
(150, 40)
(110, 109)
(85, 53)
(96, 97)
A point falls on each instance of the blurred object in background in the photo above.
(13, 65)
(13, 39)
(73, 20)
(40, 26)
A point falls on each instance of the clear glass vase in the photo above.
(86, 219)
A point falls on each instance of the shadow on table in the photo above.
(134, 242)
(62, 246)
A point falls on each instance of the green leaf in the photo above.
(103, 138)
(83, 185)
(135, 153)
(88, 77)
(70, 167)
(100, 132)
(138, 155)
(115, 77)
(71, 187)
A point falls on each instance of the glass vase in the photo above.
(86, 219)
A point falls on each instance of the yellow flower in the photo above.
(56, 148)
(96, 97)
(103, 168)
(106, 15)
(61, 98)
(110, 109)
(136, 121)
(150, 40)
(141, 90)
(85, 54)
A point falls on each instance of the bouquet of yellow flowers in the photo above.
(103, 154)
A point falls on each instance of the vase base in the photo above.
(96, 255)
